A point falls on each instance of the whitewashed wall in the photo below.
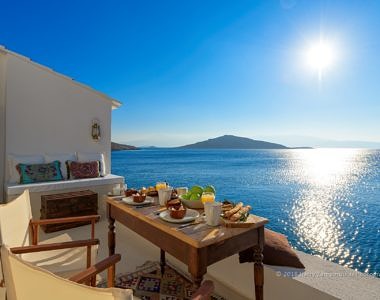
(49, 113)
(2, 123)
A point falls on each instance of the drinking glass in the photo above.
(213, 211)
(164, 195)
(207, 197)
(116, 190)
(161, 185)
(181, 190)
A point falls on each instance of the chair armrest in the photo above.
(89, 273)
(65, 220)
(54, 246)
(204, 291)
(34, 224)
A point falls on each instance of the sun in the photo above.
(320, 56)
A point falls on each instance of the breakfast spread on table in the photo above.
(180, 202)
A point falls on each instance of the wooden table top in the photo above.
(199, 236)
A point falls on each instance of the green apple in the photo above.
(186, 196)
(209, 189)
(196, 189)
(195, 197)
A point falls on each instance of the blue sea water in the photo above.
(327, 201)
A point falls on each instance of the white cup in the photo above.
(116, 190)
(213, 211)
(164, 195)
(182, 190)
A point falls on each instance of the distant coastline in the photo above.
(222, 142)
(120, 147)
(236, 142)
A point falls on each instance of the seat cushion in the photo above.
(277, 251)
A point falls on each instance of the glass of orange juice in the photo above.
(161, 185)
(207, 197)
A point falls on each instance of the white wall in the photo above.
(3, 58)
(49, 113)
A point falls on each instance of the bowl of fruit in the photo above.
(192, 199)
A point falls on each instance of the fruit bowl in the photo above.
(192, 199)
(192, 203)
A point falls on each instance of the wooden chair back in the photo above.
(25, 281)
(15, 218)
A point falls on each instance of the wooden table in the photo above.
(197, 246)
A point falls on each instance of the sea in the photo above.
(326, 201)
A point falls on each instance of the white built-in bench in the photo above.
(13, 189)
(100, 185)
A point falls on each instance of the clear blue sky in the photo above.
(189, 70)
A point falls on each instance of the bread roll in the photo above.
(234, 210)
(244, 210)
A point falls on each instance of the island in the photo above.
(233, 142)
(119, 147)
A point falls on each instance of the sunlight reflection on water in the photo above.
(326, 201)
(327, 175)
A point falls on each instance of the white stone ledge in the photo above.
(331, 278)
(17, 189)
(321, 279)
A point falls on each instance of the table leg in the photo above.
(111, 247)
(258, 266)
(197, 265)
(162, 262)
(197, 280)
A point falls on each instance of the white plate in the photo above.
(190, 216)
(129, 200)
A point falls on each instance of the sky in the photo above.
(186, 71)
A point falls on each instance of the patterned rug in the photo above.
(148, 284)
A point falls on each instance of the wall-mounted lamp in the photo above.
(95, 130)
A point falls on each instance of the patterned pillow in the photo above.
(79, 170)
(31, 173)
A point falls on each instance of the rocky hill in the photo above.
(119, 147)
(233, 142)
